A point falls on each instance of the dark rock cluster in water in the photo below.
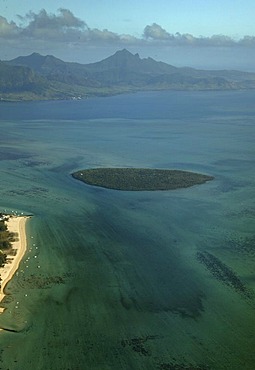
(138, 344)
(222, 272)
(244, 246)
(176, 366)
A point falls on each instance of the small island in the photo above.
(140, 179)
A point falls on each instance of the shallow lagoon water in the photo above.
(113, 279)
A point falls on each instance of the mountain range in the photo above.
(47, 77)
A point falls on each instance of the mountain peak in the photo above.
(126, 53)
(36, 61)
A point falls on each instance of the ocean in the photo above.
(131, 280)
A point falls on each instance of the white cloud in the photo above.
(156, 32)
(247, 41)
(104, 35)
(66, 27)
(8, 29)
(65, 19)
(61, 27)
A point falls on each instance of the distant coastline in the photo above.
(14, 255)
(38, 77)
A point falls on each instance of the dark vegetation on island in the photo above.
(140, 179)
(6, 239)
(37, 77)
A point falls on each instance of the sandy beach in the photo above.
(17, 225)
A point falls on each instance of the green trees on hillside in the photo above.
(2, 258)
(5, 241)
(16, 79)
(5, 237)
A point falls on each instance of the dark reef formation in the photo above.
(223, 273)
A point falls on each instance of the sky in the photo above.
(208, 34)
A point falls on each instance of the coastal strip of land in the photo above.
(17, 226)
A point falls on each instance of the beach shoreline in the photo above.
(17, 225)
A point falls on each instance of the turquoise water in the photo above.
(113, 279)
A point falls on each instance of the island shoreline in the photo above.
(17, 225)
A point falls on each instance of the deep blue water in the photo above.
(121, 282)
(149, 105)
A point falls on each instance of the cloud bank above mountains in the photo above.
(70, 38)
(66, 27)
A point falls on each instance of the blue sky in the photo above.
(199, 33)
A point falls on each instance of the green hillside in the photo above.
(46, 77)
